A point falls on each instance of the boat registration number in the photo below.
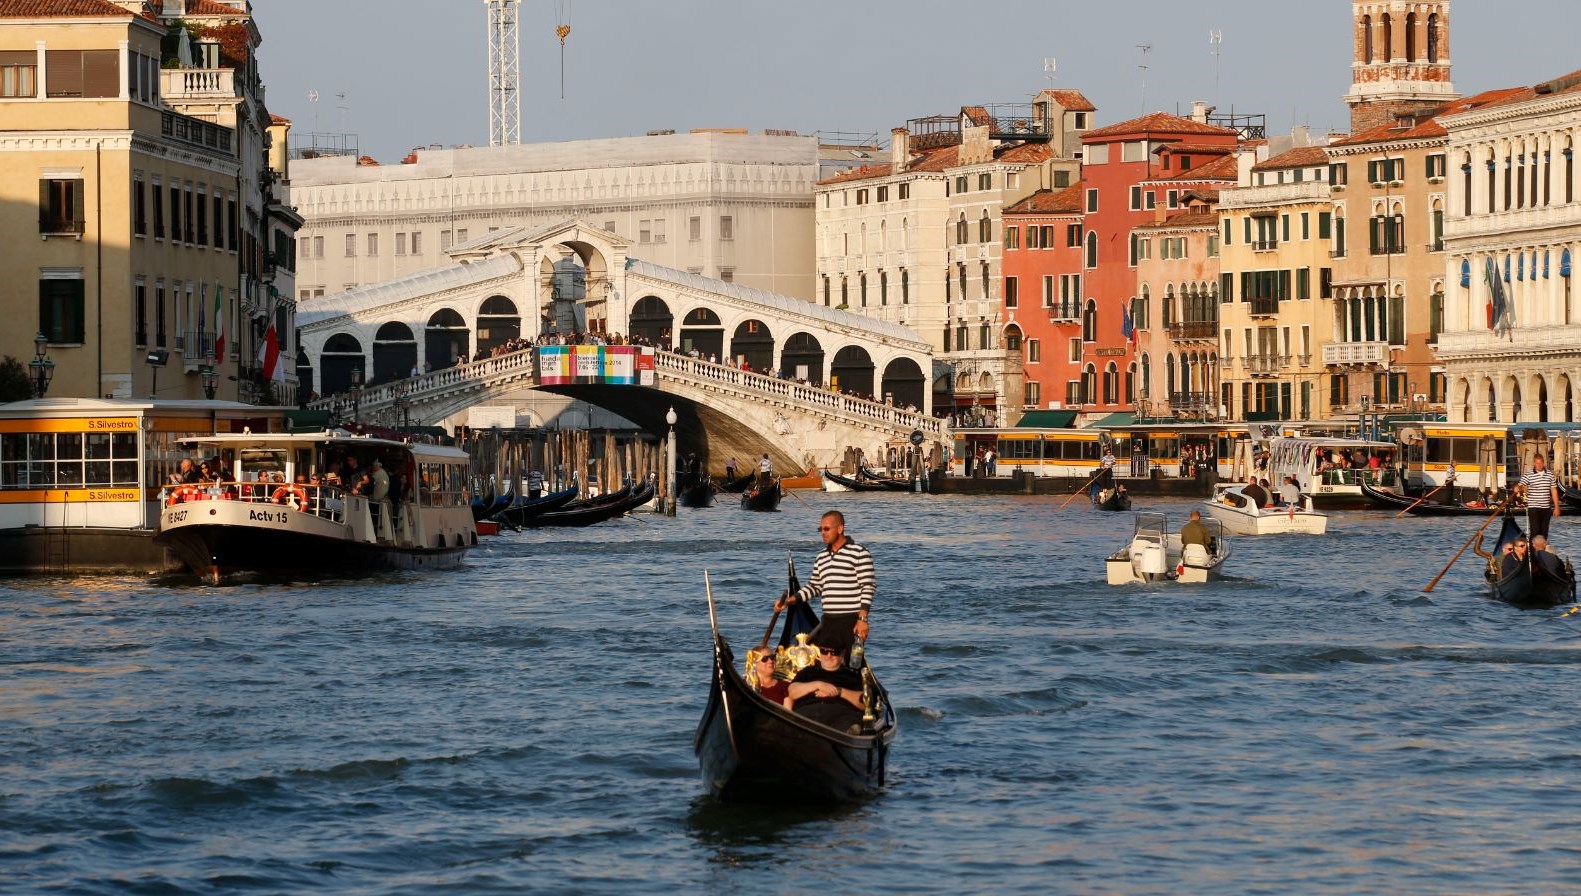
(278, 517)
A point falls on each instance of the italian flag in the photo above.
(219, 321)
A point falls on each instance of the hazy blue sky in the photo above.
(414, 72)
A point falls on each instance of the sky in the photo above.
(401, 74)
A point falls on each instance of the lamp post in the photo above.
(356, 394)
(403, 404)
(156, 359)
(669, 499)
(209, 376)
(43, 369)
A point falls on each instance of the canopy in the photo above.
(1047, 419)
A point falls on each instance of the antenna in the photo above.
(1143, 66)
(341, 105)
(1215, 40)
(505, 120)
(1048, 70)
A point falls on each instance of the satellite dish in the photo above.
(1410, 435)
(312, 96)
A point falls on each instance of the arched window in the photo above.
(862, 290)
(883, 287)
(1169, 377)
(1366, 39)
(1089, 385)
(1092, 248)
(1130, 383)
(1388, 37)
(1169, 304)
(1147, 376)
(1410, 37)
(1089, 322)
(1111, 384)
(985, 232)
(960, 230)
(1432, 37)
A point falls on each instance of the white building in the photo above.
(723, 204)
(1513, 202)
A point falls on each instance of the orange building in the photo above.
(1043, 295)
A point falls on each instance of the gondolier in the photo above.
(842, 578)
(1542, 495)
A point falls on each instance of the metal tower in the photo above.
(505, 113)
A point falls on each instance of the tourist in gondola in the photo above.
(842, 578)
(828, 691)
(1545, 558)
(773, 689)
(1541, 492)
(1516, 556)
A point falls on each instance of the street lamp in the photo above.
(356, 394)
(209, 376)
(403, 404)
(156, 359)
(43, 368)
(669, 501)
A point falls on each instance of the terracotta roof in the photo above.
(1184, 220)
(1300, 157)
(61, 9)
(211, 8)
(930, 161)
(1570, 83)
(1025, 152)
(1201, 149)
(367, 161)
(1072, 100)
(1427, 126)
(1050, 202)
(977, 115)
(278, 119)
(1221, 168)
(1160, 123)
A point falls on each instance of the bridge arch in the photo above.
(342, 354)
(753, 345)
(903, 383)
(394, 352)
(702, 330)
(652, 320)
(498, 322)
(852, 370)
(446, 339)
(802, 359)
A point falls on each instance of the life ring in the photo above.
(286, 493)
(182, 493)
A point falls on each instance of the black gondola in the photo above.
(750, 748)
(1384, 499)
(487, 506)
(1112, 499)
(595, 511)
(889, 483)
(762, 498)
(855, 485)
(739, 484)
(1532, 584)
(694, 492)
(514, 515)
(1570, 497)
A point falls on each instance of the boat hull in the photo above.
(763, 499)
(84, 549)
(1267, 521)
(834, 482)
(1155, 554)
(749, 749)
(1530, 585)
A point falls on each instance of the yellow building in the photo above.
(1277, 309)
(138, 208)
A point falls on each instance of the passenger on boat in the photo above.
(1290, 492)
(1545, 558)
(772, 688)
(1195, 531)
(1255, 493)
(827, 692)
(1516, 556)
(186, 473)
(378, 488)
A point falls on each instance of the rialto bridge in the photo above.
(751, 371)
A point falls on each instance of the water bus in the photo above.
(289, 503)
(1332, 470)
(80, 479)
(1174, 449)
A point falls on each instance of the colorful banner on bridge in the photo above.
(582, 365)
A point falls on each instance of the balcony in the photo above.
(190, 84)
(1198, 330)
(1262, 365)
(1066, 312)
(1264, 306)
(1195, 404)
(196, 131)
(1265, 246)
(1356, 353)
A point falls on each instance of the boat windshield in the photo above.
(261, 463)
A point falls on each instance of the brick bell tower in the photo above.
(1400, 63)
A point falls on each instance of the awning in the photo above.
(303, 420)
(1047, 419)
(1118, 418)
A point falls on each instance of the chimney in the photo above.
(1200, 111)
(899, 151)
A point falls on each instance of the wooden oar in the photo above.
(777, 607)
(1498, 509)
(792, 493)
(1082, 489)
(1418, 501)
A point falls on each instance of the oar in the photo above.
(1418, 501)
(776, 617)
(792, 493)
(1496, 511)
(1082, 489)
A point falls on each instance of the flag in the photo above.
(1127, 325)
(269, 357)
(1501, 311)
(1490, 276)
(219, 322)
(202, 297)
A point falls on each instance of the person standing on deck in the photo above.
(842, 578)
(1541, 492)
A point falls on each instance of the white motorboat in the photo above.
(1242, 516)
(1155, 554)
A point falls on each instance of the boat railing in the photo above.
(323, 501)
(1354, 476)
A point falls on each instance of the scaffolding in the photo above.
(505, 119)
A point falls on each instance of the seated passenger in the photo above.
(827, 692)
(772, 689)
(1514, 559)
(1545, 558)
(1195, 531)
(1254, 493)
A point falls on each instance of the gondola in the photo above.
(1532, 584)
(855, 485)
(739, 484)
(512, 516)
(1112, 499)
(889, 483)
(762, 498)
(1384, 499)
(488, 505)
(596, 511)
(1570, 498)
(695, 492)
(751, 749)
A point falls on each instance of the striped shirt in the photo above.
(843, 579)
(1539, 485)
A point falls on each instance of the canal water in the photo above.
(1314, 725)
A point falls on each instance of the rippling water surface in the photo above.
(1316, 724)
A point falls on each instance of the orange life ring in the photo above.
(284, 493)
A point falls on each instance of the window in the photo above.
(140, 297)
(1012, 293)
(1072, 236)
(883, 287)
(1092, 200)
(960, 184)
(694, 227)
(1034, 394)
(318, 247)
(1338, 173)
(1303, 283)
(351, 245)
(232, 233)
(60, 205)
(904, 191)
(645, 231)
(727, 274)
(883, 194)
(18, 73)
(400, 244)
(1172, 199)
(417, 242)
(1092, 248)
(82, 73)
(861, 197)
(658, 230)
(60, 309)
(1436, 165)
(158, 195)
(1387, 234)
(727, 227)
(1150, 199)
(1013, 237)
(1136, 199)
(985, 229)
(190, 231)
(1074, 353)
(1034, 351)
(905, 287)
(139, 212)
(985, 181)
(203, 219)
(1381, 171)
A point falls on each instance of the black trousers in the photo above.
(1538, 519)
(838, 628)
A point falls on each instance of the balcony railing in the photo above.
(199, 83)
(1262, 365)
(1265, 245)
(195, 131)
(1207, 330)
(1264, 306)
(1063, 312)
(1195, 403)
(1356, 353)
